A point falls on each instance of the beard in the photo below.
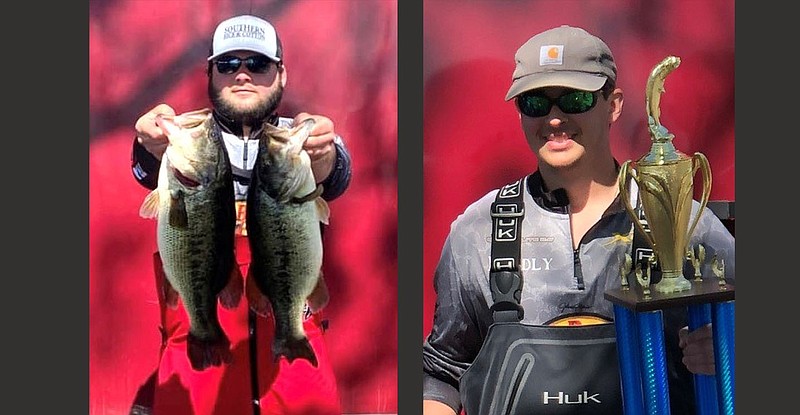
(252, 116)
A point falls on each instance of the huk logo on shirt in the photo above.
(561, 398)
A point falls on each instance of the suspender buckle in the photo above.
(506, 289)
(507, 210)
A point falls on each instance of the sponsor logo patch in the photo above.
(578, 320)
(551, 55)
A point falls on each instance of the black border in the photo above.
(409, 201)
(45, 266)
(766, 173)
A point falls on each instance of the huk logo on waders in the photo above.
(562, 398)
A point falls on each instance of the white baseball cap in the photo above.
(246, 32)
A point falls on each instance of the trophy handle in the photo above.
(626, 200)
(700, 161)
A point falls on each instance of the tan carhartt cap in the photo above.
(564, 56)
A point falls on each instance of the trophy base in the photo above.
(672, 284)
(708, 290)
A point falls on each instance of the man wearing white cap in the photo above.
(541, 252)
(246, 77)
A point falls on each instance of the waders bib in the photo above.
(536, 369)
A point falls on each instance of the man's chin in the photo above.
(243, 104)
(244, 111)
(560, 161)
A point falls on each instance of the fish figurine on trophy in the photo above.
(664, 179)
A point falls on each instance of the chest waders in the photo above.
(535, 369)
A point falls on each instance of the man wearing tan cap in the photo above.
(246, 77)
(541, 252)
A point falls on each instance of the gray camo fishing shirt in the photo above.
(557, 279)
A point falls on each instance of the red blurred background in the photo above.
(472, 138)
(341, 58)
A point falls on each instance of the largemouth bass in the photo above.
(284, 212)
(194, 208)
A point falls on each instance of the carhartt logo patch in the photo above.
(551, 55)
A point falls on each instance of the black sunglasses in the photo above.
(254, 64)
(536, 104)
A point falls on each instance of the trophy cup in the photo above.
(665, 183)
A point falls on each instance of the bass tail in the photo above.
(294, 349)
(204, 353)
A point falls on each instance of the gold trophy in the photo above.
(665, 179)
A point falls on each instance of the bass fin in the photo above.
(231, 294)
(149, 208)
(323, 210)
(257, 301)
(177, 212)
(294, 349)
(171, 296)
(319, 297)
(204, 353)
(166, 294)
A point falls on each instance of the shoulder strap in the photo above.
(505, 276)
